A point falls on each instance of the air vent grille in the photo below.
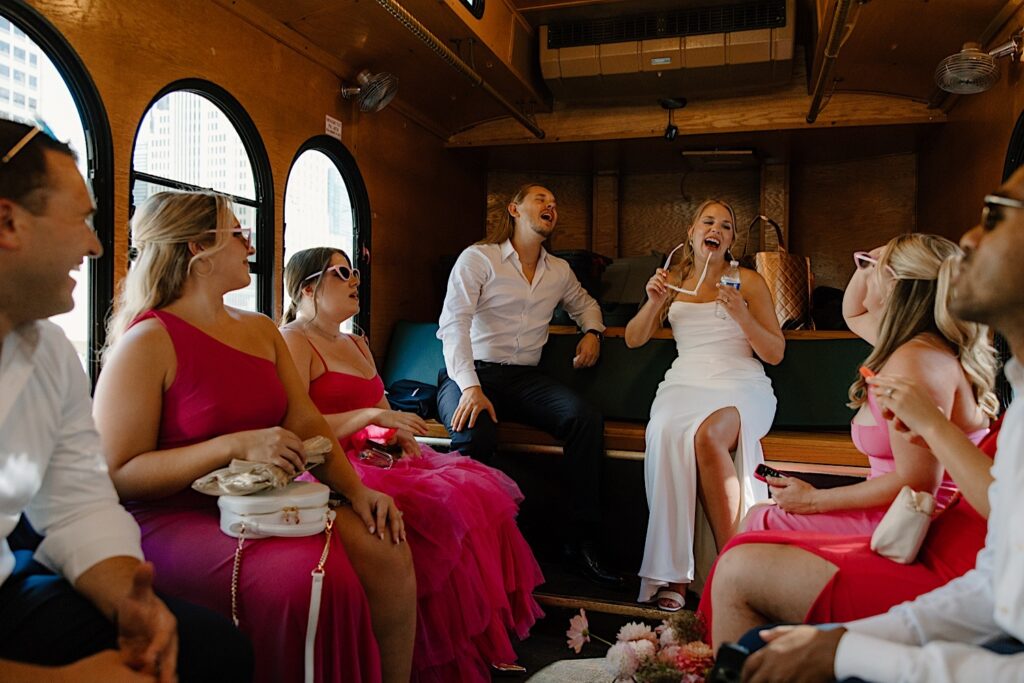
(742, 16)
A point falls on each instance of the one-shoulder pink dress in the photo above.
(866, 583)
(220, 390)
(872, 441)
(475, 573)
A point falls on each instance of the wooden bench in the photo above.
(810, 434)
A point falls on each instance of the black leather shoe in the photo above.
(582, 559)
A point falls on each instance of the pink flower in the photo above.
(695, 658)
(635, 631)
(579, 632)
(668, 654)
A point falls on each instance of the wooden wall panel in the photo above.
(572, 194)
(963, 161)
(657, 209)
(132, 50)
(840, 208)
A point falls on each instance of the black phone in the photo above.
(762, 471)
(728, 664)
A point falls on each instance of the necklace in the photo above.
(326, 335)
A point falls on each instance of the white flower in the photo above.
(644, 649)
(635, 631)
(621, 661)
(668, 637)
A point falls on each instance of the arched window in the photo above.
(42, 77)
(195, 136)
(326, 205)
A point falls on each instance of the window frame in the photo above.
(477, 10)
(263, 183)
(346, 164)
(99, 158)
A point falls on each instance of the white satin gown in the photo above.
(715, 369)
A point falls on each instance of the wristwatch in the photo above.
(599, 335)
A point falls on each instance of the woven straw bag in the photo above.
(788, 277)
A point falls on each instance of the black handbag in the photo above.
(411, 396)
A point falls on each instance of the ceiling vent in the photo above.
(728, 48)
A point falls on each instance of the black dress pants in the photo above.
(43, 620)
(522, 393)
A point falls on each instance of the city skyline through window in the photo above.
(186, 142)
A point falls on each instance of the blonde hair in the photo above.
(918, 304)
(685, 267)
(162, 228)
(507, 226)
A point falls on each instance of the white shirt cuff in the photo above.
(466, 379)
(869, 658)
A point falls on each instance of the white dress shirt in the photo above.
(51, 465)
(492, 313)
(935, 638)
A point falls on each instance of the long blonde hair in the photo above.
(507, 225)
(162, 228)
(919, 304)
(685, 266)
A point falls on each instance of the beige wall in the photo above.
(133, 49)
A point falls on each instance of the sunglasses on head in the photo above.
(238, 231)
(864, 260)
(39, 127)
(341, 272)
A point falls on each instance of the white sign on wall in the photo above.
(333, 127)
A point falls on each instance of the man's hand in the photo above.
(103, 667)
(587, 352)
(147, 632)
(794, 654)
(472, 404)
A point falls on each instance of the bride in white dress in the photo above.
(710, 412)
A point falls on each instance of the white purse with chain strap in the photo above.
(298, 509)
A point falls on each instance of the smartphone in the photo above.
(762, 471)
(392, 449)
(728, 664)
(866, 372)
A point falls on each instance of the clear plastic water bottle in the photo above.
(731, 278)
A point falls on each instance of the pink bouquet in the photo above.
(671, 653)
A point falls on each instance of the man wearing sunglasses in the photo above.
(84, 603)
(972, 628)
(501, 295)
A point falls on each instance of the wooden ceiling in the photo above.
(892, 50)
(895, 45)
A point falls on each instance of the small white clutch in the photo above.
(902, 530)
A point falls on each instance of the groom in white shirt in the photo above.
(971, 629)
(501, 295)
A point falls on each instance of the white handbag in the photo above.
(298, 509)
(902, 530)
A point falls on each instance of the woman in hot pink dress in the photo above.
(897, 302)
(475, 574)
(190, 384)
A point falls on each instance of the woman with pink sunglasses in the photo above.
(897, 302)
